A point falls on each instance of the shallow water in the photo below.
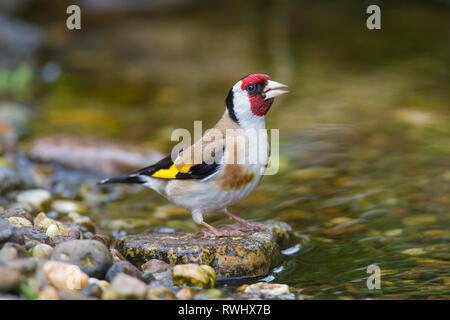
(365, 131)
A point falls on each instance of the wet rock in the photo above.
(9, 233)
(161, 293)
(122, 267)
(94, 155)
(165, 278)
(9, 279)
(269, 289)
(158, 270)
(90, 255)
(65, 276)
(37, 198)
(155, 266)
(251, 255)
(42, 251)
(16, 212)
(208, 294)
(202, 276)
(185, 293)
(125, 287)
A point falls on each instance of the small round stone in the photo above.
(123, 267)
(125, 287)
(90, 255)
(202, 276)
(185, 293)
(9, 279)
(65, 276)
(42, 251)
(154, 266)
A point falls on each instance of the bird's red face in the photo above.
(251, 98)
(261, 91)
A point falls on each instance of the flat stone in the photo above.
(251, 254)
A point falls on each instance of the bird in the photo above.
(218, 180)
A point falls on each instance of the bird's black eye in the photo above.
(251, 88)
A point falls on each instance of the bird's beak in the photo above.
(274, 89)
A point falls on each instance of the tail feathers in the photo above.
(124, 179)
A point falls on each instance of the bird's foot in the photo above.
(250, 227)
(216, 233)
(244, 225)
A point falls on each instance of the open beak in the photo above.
(274, 89)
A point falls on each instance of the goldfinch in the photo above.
(204, 186)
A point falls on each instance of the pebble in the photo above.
(54, 230)
(116, 256)
(264, 288)
(202, 276)
(60, 238)
(90, 255)
(8, 254)
(48, 293)
(38, 198)
(82, 221)
(123, 267)
(125, 287)
(23, 265)
(42, 251)
(155, 266)
(164, 277)
(208, 294)
(19, 222)
(34, 234)
(65, 276)
(74, 233)
(68, 206)
(9, 279)
(9, 233)
(185, 293)
(43, 222)
(16, 212)
(160, 293)
(9, 179)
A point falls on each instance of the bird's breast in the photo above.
(235, 177)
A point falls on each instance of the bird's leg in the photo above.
(214, 232)
(244, 225)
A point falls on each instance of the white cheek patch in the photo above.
(242, 107)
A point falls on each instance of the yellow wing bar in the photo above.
(172, 172)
